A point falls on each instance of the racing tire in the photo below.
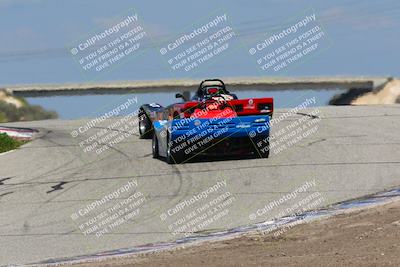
(145, 127)
(264, 153)
(154, 147)
(172, 158)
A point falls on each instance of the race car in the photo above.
(214, 122)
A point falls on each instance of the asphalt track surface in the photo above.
(354, 152)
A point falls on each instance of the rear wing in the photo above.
(253, 106)
(242, 107)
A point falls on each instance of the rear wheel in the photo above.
(173, 157)
(264, 151)
(169, 158)
(145, 128)
(261, 147)
(154, 146)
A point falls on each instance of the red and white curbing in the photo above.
(18, 133)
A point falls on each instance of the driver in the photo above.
(216, 93)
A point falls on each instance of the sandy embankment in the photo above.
(8, 98)
(389, 94)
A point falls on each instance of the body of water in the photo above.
(86, 106)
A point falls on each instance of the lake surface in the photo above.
(87, 106)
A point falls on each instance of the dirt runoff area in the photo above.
(368, 237)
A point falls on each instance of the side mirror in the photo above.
(178, 95)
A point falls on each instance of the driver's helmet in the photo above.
(213, 90)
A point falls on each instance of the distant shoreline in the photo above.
(259, 83)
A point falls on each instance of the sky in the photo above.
(358, 38)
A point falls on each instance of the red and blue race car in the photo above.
(214, 122)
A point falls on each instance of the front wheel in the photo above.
(145, 127)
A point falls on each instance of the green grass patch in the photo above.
(7, 143)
